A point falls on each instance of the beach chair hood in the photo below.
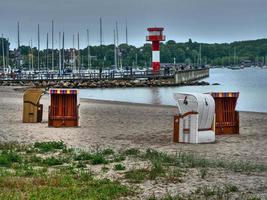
(203, 104)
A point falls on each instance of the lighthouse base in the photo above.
(156, 66)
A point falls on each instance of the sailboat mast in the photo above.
(73, 53)
(200, 59)
(88, 50)
(32, 55)
(63, 44)
(3, 52)
(7, 53)
(18, 35)
(78, 45)
(101, 33)
(38, 56)
(52, 44)
(115, 51)
(59, 52)
(118, 49)
(18, 50)
(234, 55)
(46, 53)
(126, 32)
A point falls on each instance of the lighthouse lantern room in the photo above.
(155, 36)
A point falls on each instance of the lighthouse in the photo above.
(155, 36)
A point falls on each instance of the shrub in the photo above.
(49, 146)
(107, 152)
(137, 175)
(50, 161)
(97, 159)
(9, 157)
(119, 167)
(118, 158)
(132, 152)
(83, 156)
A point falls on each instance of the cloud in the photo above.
(201, 20)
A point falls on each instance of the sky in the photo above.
(209, 21)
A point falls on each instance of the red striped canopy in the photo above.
(225, 94)
(63, 91)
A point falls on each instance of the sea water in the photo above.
(250, 82)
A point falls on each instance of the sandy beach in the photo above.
(122, 125)
(119, 125)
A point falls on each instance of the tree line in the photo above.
(193, 53)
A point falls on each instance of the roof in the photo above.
(33, 95)
(63, 91)
(203, 104)
(155, 29)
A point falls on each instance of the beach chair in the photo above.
(32, 109)
(227, 118)
(64, 108)
(195, 120)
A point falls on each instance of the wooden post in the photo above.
(213, 126)
(176, 128)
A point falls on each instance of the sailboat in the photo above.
(234, 67)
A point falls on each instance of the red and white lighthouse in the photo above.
(155, 35)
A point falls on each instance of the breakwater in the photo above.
(190, 75)
(186, 77)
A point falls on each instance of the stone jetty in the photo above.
(101, 83)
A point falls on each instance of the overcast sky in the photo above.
(202, 20)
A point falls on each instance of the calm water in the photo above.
(250, 82)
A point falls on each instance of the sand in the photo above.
(123, 125)
(120, 125)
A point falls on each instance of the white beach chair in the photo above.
(195, 120)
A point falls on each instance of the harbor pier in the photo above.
(108, 79)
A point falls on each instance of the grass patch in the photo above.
(26, 170)
(194, 161)
(118, 158)
(131, 152)
(62, 186)
(219, 192)
(49, 146)
(9, 157)
(157, 170)
(94, 158)
(174, 174)
(156, 156)
(63, 173)
(137, 175)
(107, 151)
(104, 168)
(119, 167)
(83, 156)
(205, 192)
(80, 164)
(98, 158)
(14, 146)
(51, 161)
(167, 197)
(203, 172)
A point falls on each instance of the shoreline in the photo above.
(21, 89)
(146, 104)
